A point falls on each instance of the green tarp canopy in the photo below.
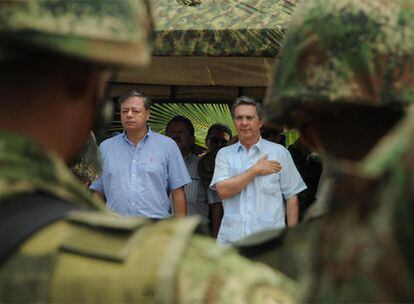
(213, 50)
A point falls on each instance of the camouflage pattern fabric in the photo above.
(94, 256)
(87, 167)
(26, 168)
(290, 251)
(352, 53)
(366, 245)
(110, 32)
(220, 28)
(355, 52)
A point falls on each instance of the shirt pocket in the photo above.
(268, 199)
(269, 184)
(154, 166)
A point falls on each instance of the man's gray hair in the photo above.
(245, 100)
(136, 93)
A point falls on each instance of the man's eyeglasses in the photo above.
(247, 117)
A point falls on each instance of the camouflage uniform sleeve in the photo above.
(107, 259)
(218, 275)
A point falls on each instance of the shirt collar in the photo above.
(258, 145)
(149, 133)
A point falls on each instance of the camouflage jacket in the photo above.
(25, 168)
(93, 256)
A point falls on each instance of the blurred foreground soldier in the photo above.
(53, 58)
(345, 72)
(87, 166)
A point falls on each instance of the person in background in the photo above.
(274, 135)
(218, 136)
(181, 130)
(141, 168)
(309, 165)
(252, 177)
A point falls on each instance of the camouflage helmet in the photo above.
(104, 32)
(344, 52)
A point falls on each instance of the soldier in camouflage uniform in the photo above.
(366, 243)
(53, 60)
(346, 69)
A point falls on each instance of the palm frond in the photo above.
(201, 115)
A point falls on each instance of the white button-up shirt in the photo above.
(260, 205)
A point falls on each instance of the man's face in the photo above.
(179, 132)
(247, 123)
(134, 116)
(217, 140)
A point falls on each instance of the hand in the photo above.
(265, 167)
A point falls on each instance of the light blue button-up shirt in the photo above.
(136, 180)
(260, 205)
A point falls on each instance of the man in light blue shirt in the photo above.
(140, 167)
(254, 177)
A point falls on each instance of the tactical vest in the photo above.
(64, 260)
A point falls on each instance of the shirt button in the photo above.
(133, 175)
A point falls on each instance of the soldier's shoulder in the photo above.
(119, 259)
(159, 262)
(105, 258)
(287, 250)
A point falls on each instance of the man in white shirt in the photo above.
(253, 177)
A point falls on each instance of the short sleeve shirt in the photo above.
(195, 193)
(137, 180)
(260, 205)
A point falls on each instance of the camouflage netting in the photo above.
(252, 28)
